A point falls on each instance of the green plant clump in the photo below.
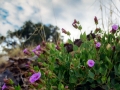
(91, 62)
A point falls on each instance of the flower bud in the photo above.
(43, 43)
(113, 48)
(69, 47)
(96, 20)
(75, 21)
(75, 26)
(64, 31)
(78, 42)
(26, 51)
(57, 47)
(97, 30)
(38, 48)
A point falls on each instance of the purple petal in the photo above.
(90, 63)
(35, 77)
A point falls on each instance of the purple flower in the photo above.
(35, 77)
(25, 51)
(38, 47)
(37, 50)
(115, 27)
(90, 63)
(4, 87)
(34, 50)
(37, 53)
(98, 44)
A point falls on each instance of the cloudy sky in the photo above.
(13, 13)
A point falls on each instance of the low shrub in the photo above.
(91, 62)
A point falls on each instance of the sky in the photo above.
(61, 13)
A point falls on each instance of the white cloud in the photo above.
(56, 12)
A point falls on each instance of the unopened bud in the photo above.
(113, 48)
(43, 43)
(64, 31)
(96, 20)
(75, 26)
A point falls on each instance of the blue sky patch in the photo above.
(3, 13)
(19, 8)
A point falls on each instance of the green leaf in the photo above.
(109, 62)
(119, 68)
(101, 70)
(72, 79)
(18, 87)
(61, 75)
(11, 82)
(60, 86)
(77, 74)
(75, 47)
(70, 41)
(39, 60)
(83, 36)
(93, 85)
(103, 79)
(80, 27)
(91, 74)
(36, 68)
(52, 66)
(116, 70)
(108, 80)
(117, 86)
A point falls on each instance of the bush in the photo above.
(89, 63)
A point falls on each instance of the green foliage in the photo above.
(18, 87)
(67, 68)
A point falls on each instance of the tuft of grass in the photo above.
(17, 52)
